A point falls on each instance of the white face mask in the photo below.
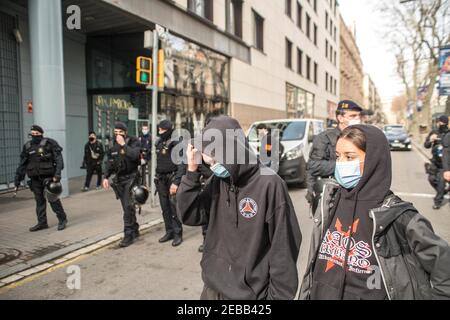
(354, 122)
(145, 132)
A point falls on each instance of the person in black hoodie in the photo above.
(366, 242)
(93, 159)
(253, 236)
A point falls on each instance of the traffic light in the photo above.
(144, 70)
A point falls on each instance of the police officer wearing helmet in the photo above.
(123, 163)
(168, 178)
(435, 170)
(42, 161)
(322, 159)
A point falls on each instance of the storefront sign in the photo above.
(112, 102)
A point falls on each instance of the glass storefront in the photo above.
(196, 83)
(300, 103)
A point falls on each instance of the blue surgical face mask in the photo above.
(348, 173)
(220, 171)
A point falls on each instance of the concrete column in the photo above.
(46, 29)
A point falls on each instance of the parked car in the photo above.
(398, 137)
(296, 137)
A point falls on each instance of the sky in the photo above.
(377, 59)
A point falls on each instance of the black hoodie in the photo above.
(253, 238)
(351, 220)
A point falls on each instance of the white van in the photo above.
(296, 136)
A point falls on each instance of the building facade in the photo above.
(372, 100)
(252, 59)
(351, 67)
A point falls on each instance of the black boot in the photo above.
(178, 239)
(39, 227)
(127, 241)
(167, 237)
(62, 224)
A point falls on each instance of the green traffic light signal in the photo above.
(145, 77)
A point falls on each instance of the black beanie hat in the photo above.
(165, 125)
(37, 128)
(121, 126)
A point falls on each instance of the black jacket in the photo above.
(253, 237)
(123, 160)
(412, 260)
(446, 152)
(164, 164)
(322, 158)
(51, 160)
(96, 147)
(146, 146)
(436, 147)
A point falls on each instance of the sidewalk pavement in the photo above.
(92, 216)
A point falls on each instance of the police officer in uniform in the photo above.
(41, 159)
(322, 159)
(168, 178)
(123, 162)
(446, 157)
(435, 170)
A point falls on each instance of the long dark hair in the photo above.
(356, 136)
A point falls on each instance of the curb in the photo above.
(420, 149)
(22, 271)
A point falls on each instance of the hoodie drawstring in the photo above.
(233, 188)
(236, 192)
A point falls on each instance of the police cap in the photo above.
(348, 105)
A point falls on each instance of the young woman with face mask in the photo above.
(367, 243)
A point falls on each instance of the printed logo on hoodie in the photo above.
(334, 247)
(248, 208)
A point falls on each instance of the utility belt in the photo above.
(124, 179)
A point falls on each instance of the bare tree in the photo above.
(415, 30)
